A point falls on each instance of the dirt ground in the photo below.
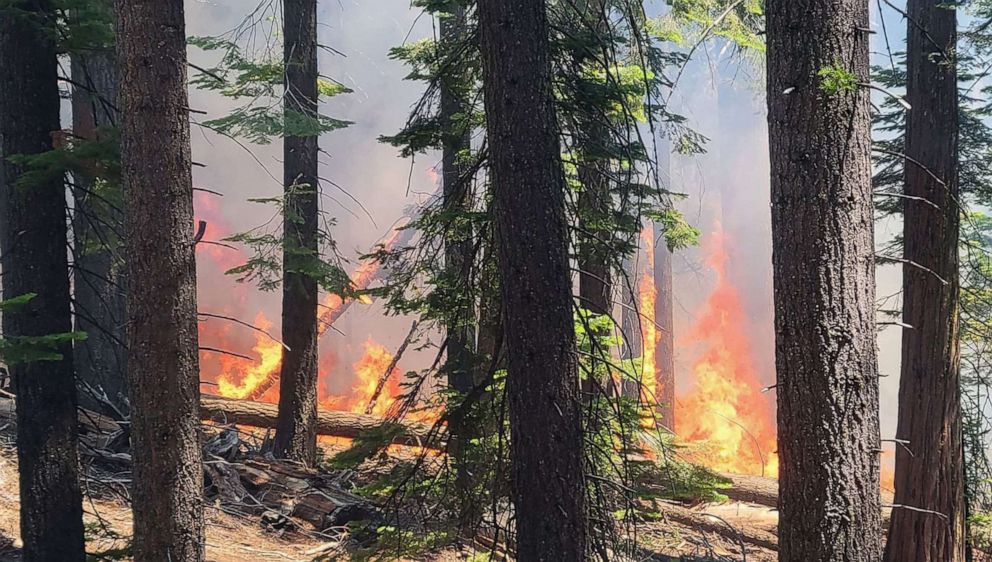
(233, 538)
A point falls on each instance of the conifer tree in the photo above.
(296, 430)
(163, 367)
(531, 232)
(929, 467)
(823, 269)
(98, 280)
(36, 313)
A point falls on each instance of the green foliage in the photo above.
(15, 350)
(75, 26)
(268, 248)
(740, 22)
(366, 445)
(679, 234)
(263, 117)
(836, 80)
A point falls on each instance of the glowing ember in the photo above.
(727, 412)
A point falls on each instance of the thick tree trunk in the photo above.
(932, 476)
(98, 279)
(529, 209)
(33, 253)
(664, 316)
(163, 366)
(823, 265)
(295, 435)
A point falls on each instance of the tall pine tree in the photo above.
(296, 429)
(163, 367)
(531, 231)
(33, 235)
(823, 268)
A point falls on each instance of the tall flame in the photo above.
(726, 411)
(647, 297)
(269, 354)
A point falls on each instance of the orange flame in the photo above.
(647, 297)
(727, 412)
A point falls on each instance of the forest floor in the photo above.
(703, 532)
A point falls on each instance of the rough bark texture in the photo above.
(336, 424)
(529, 201)
(98, 276)
(295, 437)
(163, 368)
(824, 274)
(664, 317)
(932, 476)
(33, 249)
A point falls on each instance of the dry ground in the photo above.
(234, 539)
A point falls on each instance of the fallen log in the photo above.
(764, 491)
(752, 489)
(330, 423)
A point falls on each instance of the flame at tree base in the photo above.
(729, 420)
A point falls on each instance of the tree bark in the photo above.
(98, 279)
(529, 211)
(163, 365)
(295, 436)
(33, 258)
(457, 245)
(823, 266)
(664, 316)
(932, 476)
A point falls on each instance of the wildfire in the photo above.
(647, 296)
(269, 354)
(368, 371)
(726, 412)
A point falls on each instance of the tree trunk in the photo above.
(460, 324)
(631, 325)
(595, 202)
(33, 250)
(824, 275)
(162, 334)
(932, 476)
(295, 435)
(457, 245)
(664, 316)
(98, 280)
(529, 211)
